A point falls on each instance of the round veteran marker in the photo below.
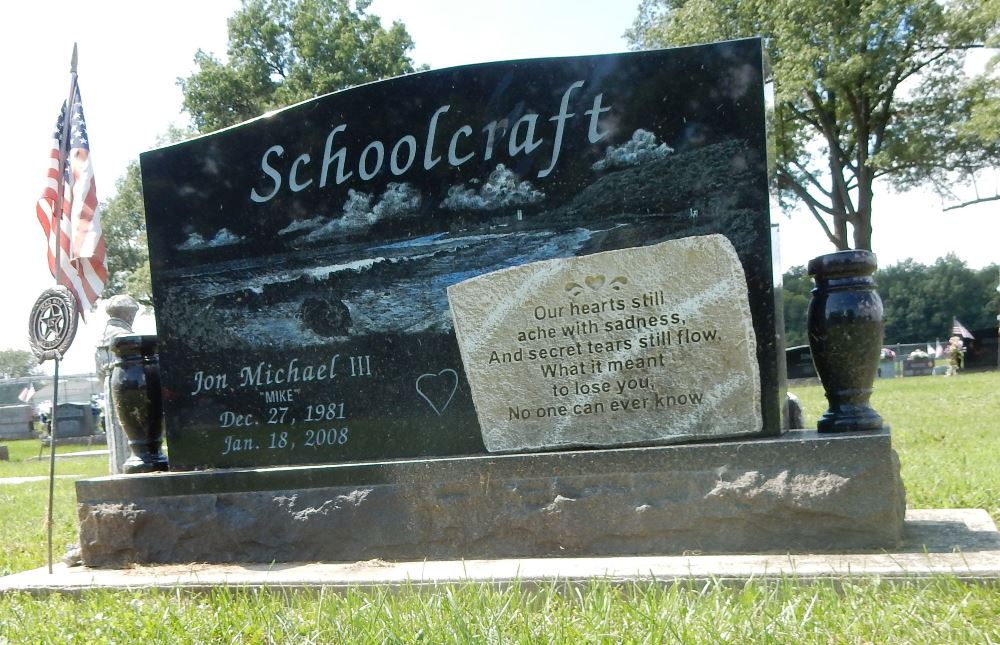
(52, 325)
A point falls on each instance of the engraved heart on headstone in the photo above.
(595, 282)
(618, 282)
(438, 389)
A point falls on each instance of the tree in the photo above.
(921, 301)
(123, 219)
(124, 222)
(865, 89)
(15, 363)
(796, 292)
(982, 126)
(281, 52)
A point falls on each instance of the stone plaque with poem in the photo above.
(636, 346)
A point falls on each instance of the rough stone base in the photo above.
(801, 492)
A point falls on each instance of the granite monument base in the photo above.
(17, 433)
(799, 492)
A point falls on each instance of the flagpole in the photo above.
(60, 186)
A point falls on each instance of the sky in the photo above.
(132, 52)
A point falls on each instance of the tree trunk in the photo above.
(863, 227)
(840, 228)
(840, 218)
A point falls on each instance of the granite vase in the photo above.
(846, 326)
(138, 402)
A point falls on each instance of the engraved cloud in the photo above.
(641, 148)
(224, 237)
(502, 189)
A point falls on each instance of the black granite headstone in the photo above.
(799, 362)
(300, 261)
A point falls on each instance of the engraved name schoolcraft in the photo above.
(464, 145)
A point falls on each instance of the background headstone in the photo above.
(75, 420)
(16, 422)
(121, 310)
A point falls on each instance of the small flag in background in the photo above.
(958, 329)
(82, 264)
(26, 393)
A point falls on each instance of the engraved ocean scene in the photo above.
(340, 278)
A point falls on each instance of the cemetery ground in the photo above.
(944, 430)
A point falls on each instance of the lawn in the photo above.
(947, 434)
(23, 506)
(948, 439)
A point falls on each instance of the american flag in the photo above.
(82, 262)
(958, 329)
(26, 393)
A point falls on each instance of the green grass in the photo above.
(24, 461)
(945, 431)
(23, 507)
(937, 611)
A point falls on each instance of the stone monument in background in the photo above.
(121, 310)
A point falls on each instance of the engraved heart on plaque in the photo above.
(595, 283)
(438, 389)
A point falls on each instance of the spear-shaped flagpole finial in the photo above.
(72, 63)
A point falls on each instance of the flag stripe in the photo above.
(82, 261)
(958, 329)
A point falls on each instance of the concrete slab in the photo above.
(82, 453)
(8, 481)
(84, 440)
(71, 455)
(962, 543)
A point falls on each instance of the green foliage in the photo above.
(864, 89)
(920, 301)
(15, 363)
(123, 219)
(796, 293)
(281, 52)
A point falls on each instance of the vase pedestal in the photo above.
(845, 335)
